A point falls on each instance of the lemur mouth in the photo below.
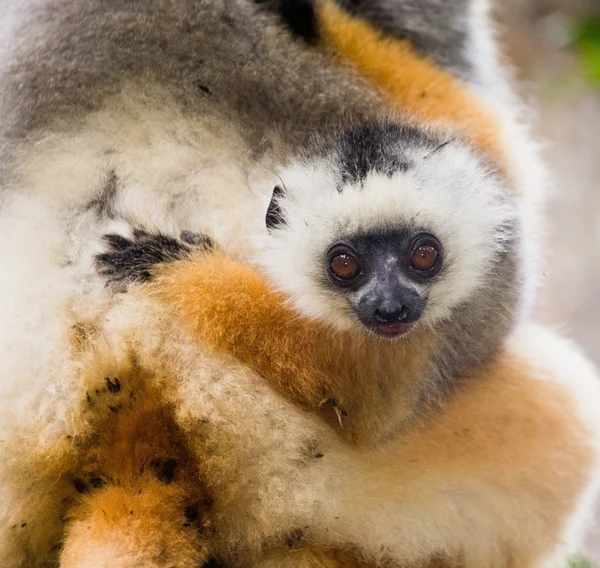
(392, 330)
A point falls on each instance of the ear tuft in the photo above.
(274, 217)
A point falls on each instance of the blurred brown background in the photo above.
(555, 47)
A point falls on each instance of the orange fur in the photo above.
(505, 426)
(141, 502)
(510, 438)
(128, 506)
(416, 86)
(305, 360)
(510, 453)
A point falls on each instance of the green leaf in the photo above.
(585, 37)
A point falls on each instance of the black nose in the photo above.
(391, 314)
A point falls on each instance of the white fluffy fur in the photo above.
(450, 193)
(47, 243)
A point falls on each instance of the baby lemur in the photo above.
(394, 229)
(391, 287)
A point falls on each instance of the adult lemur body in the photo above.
(179, 115)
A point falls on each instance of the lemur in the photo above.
(116, 113)
(501, 475)
(411, 228)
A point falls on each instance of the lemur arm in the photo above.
(232, 309)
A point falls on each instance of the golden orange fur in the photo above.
(137, 495)
(140, 498)
(427, 93)
(304, 360)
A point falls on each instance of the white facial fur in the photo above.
(449, 193)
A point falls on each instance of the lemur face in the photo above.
(386, 276)
(387, 228)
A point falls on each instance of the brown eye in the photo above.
(344, 266)
(426, 255)
(424, 258)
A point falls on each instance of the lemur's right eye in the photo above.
(344, 266)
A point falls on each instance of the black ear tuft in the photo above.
(299, 16)
(274, 217)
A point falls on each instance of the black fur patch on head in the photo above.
(133, 260)
(380, 148)
(299, 15)
(274, 217)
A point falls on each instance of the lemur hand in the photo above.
(131, 260)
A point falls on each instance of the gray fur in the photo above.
(471, 337)
(223, 57)
(437, 28)
(226, 56)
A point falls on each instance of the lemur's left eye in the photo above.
(426, 255)
(344, 266)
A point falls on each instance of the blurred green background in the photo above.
(580, 564)
(585, 39)
(554, 46)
